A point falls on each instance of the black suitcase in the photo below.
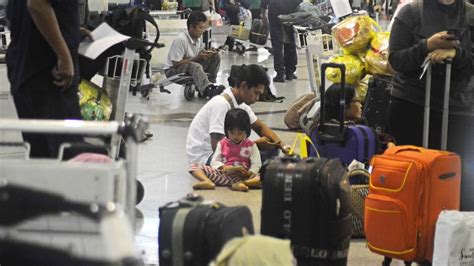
(376, 103)
(308, 201)
(193, 232)
(258, 32)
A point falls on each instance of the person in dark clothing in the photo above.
(419, 32)
(42, 66)
(282, 37)
(232, 10)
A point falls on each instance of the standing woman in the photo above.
(420, 31)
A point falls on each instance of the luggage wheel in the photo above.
(189, 91)
(240, 49)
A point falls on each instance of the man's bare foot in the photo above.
(204, 185)
(239, 187)
(253, 183)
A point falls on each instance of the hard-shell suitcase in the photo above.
(376, 103)
(338, 140)
(258, 32)
(308, 201)
(409, 187)
(193, 232)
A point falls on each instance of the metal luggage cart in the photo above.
(84, 182)
(318, 48)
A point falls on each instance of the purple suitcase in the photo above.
(346, 142)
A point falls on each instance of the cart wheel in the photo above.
(140, 192)
(188, 92)
(240, 49)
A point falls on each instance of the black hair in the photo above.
(332, 99)
(237, 119)
(253, 74)
(195, 18)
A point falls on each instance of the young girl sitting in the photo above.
(236, 160)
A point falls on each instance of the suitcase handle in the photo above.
(445, 117)
(399, 149)
(339, 137)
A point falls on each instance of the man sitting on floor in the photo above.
(187, 55)
(207, 127)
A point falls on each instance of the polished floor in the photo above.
(162, 160)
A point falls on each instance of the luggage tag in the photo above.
(425, 66)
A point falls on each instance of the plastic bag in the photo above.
(362, 88)
(354, 34)
(94, 102)
(376, 58)
(355, 69)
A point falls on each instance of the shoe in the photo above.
(279, 78)
(291, 76)
(213, 90)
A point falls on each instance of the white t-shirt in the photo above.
(210, 119)
(183, 47)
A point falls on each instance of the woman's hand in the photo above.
(440, 55)
(442, 40)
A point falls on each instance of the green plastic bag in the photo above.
(94, 102)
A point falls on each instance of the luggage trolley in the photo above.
(318, 48)
(99, 183)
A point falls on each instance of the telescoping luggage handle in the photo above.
(339, 137)
(426, 121)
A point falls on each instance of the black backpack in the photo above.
(131, 21)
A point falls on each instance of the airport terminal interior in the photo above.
(162, 165)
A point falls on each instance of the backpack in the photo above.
(131, 21)
(266, 96)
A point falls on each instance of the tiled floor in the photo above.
(162, 159)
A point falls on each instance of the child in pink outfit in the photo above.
(236, 160)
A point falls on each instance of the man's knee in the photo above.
(193, 67)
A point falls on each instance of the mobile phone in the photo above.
(457, 32)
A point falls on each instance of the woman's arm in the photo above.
(405, 55)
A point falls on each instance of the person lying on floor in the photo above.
(236, 160)
(188, 55)
(207, 127)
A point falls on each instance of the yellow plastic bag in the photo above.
(362, 87)
(354, 34)
(355, 69)
(376, 58)
(94, 102)
(303, 140)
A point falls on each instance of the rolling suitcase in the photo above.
(409, 187)
(308, 201)
(193, 232)
(338, 140)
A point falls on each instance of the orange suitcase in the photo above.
(409, 187)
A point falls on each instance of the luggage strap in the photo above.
(177, 246)
(229, 100)
(341, 229)
(317, 253)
